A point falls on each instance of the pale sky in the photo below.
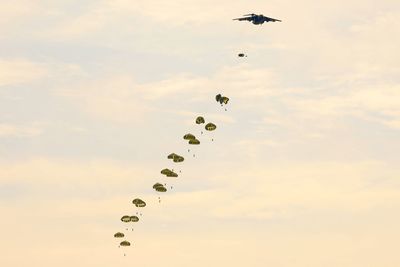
(304, 169)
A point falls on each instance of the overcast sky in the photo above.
(304, 167)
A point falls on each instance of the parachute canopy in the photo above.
(169, 173)
(159, 187)
(165, 171)
(172, 174)
(176, 157)
(194, 142)
(134, 218)
(200, 120)
(221, 99)
(126, 218)
(189, 136)
(125, 243)
(119, 235)
(210, 126)
(139, 203)
(172, 155)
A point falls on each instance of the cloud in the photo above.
(115, 98)
(286, 205)
(10, 130)
(120, 98)
(360, 102)
(246, 191)
(13, 13)
(299, 189)
(241, 81)
(64, 172)
(17, 71)
(92, 20)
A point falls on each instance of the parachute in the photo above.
(134, 218)
(176, 157)
(179, 159)
(126, 218)
(210, 126)
(242, 55)
(189, 136)
(172, 174)
(172, 155)
(125, 243)
(221, 99)
(139, 203)
(159, 187)
(165, 171)
(192, 139)
(194, 142)
(119, 235)
(169, 173)
(200, 120)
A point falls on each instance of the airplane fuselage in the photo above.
(258, 20)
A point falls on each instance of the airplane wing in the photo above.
(271, 19)
(247, 18)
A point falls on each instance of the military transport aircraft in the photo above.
(257, 19)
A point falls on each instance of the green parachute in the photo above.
(119, 235)
(172, 174)
(210, 126)
(134, 218)
(159, 187)
(194, 142)
(139, 203)
(172, 156)
(179, 159)
(165, 171)
(126, 218)
(169, 173)
(189, 136)
(176, 157)
(221, 99)
(200, 120)
(125, 243)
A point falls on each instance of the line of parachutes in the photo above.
(158, 187)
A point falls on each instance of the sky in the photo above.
(304, 167)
